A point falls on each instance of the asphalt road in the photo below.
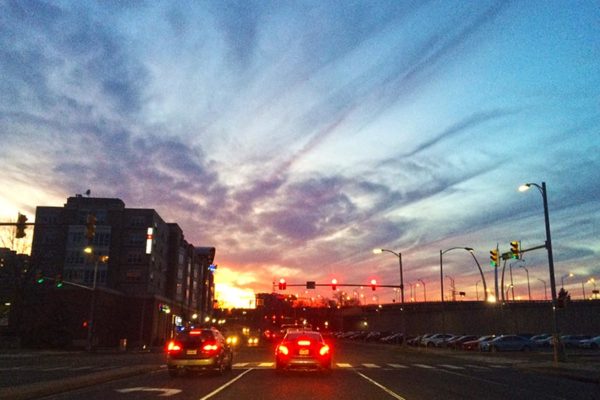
(360, 372)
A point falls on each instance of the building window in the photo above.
(134, 257)
(133, 275)
(75, 257)
(138, 221)
(136, 239)
(75, 238)
(101, 239)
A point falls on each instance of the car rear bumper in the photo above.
(202, 363)
(304, 363)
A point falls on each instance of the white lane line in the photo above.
(344, 365)
(217, 390)
(82, 368)
(424, 366)
(397, 366)
(475, 366)
(498, 366)
(266, 364)
(371, 365)
(450, 366)
(380, 386)
(237, 365)
(53, 369)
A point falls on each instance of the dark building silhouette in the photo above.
(149, 280)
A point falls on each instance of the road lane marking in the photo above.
(498, 366)
(451, 366)
(424, 366)
(217, 390)
(380, 386)
(237, 365)
(476, 366)
(266, 364)
(371, 365)
(397, 366)
(344, 365)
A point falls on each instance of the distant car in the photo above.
(436, 340)
(592, 343)
(252, 341)
(456, 343)
(570, 341)
(303, 350)
(199, 349)
(475, 345)
(508, 343)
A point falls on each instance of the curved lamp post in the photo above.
(424, 290)
(399, 255)
(559, 355)
(528, 285)
(470, 250)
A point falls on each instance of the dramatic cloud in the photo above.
(296, 137)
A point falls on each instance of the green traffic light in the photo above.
(40, 280)
(59, 284)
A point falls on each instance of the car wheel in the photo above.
(430, 345)
(493, 349)
(230, 365)
(526, 348)
(594, 346)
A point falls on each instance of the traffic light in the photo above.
(59, 281)
(90, 227)
(21, 219)
(39, 277)
(494, 257)
(514, 249)
(282, 284)
(373, 284)
(334, 284)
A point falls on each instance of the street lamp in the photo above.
(470, 250)
(558, 350)
(91, 322)
(562, 279)
(399, 255)
(545, 288)
(477, 290)
(528, 286)
(424, 290)
(403, 314)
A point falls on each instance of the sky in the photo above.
(296, 136)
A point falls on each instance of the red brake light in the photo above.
(210, 347)
(195, 333)
(282, 349)
(303, 342)
(173, 346)
(324, 350)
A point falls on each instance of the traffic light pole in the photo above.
(91, 321)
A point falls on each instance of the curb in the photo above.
(41, 389)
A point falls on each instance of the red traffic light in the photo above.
(334, 284)
(282, 284)
(373, 284)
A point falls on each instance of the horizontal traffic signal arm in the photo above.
(16, 223)
(68, 283)
(507, 255)
(345, 284)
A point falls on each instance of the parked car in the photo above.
(474, 345)
(437, 340)
(508, 343)
(570, 341)
(592, 343)
(395, 338)
(456, 343)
